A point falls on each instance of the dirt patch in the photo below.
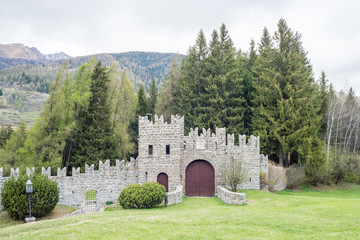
(324, 187)
(59, 211)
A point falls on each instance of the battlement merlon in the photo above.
(223, 139)
(175, 120)
(103, 167)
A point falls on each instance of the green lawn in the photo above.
(286, 215)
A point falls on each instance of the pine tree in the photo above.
(165, 104)
(94, 139)
(153, 95)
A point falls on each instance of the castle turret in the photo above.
(161, 147)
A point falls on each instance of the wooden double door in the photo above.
(200, 179)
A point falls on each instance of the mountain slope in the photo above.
(18, 50)
(142, 68)
(56, 56)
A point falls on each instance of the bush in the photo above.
(44, 198)
(276, 177)
(263, 181)
(148, 195)
(295, 175)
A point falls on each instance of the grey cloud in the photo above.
(330, 29)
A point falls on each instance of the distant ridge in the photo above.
(56, 56)
(20, 51)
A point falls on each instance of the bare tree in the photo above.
(235, 173)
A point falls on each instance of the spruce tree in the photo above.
(224, 85)
(245, 65)
(286, 113)
(165, 104)
(153, 95)
(191, 84)
(142, 108)
(94, 139)
(266, 41)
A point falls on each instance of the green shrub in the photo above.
(263, 180)
(148, 195)
(44, 198)
(295, 175)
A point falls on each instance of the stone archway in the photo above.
(200, 179)
(163, 179)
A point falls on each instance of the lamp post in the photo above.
(29, 190)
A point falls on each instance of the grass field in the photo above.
(304, 214)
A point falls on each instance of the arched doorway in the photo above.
(200, 179)
(163, 179)
(90, 201)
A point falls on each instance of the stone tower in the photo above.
(161, 148)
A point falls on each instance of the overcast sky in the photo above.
(330, 29)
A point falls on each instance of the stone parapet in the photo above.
(174, 197)
(108, 181)
(230, 197)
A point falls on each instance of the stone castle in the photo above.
(186, 165)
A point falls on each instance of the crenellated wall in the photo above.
(108, 181)
(217, 148)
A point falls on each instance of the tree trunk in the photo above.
(281, 158)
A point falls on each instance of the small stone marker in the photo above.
(30, 219)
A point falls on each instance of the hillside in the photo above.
(17, 105)
(30, 78)
(37, 76)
